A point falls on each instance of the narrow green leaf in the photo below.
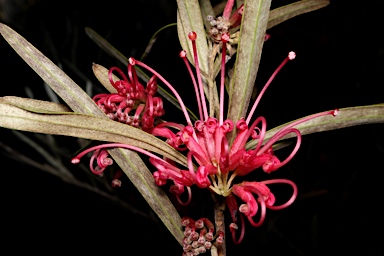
(289, 11)
(252, 33)
(346, 117)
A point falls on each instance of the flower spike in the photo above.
(213, 162)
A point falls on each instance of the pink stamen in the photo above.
(278, 134)
(192, 36)
(133, 62)
(262, 214)
(77, 158)
(261, 135)
(290, 201)
(242, 231)
(117, 84)
(293, 153)
(190, 165)
(228, 9)
(102, 162)
(233, 209)
(290, 56)
(188, 200)
(224, 40)
(183, 56)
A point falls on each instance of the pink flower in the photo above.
(218, 162)
(132, 104)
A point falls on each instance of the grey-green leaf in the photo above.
(84, 126)
(80, 102)
(37, 106)
(64, 86)
(289, 11)
(346, 117)
(252, 34)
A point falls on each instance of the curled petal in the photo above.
(121, 85)
(102, 159)
(197, 150)
(171, 172)
(242, 129)
(271, 164)
(152, 86)
(250, 207)
(178, 189)
(275, 164)
(260, 188)
(250, 162)
(202, 180)
(233, 227)
(290, 200)
(159, 178)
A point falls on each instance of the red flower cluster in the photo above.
(213, 162)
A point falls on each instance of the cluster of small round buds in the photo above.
(199, 236)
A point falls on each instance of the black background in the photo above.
(340, 63)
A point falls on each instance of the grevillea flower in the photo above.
(213, 162)
(132, 104)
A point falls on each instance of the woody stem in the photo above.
(219, 208)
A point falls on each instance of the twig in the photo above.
(219, 208)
